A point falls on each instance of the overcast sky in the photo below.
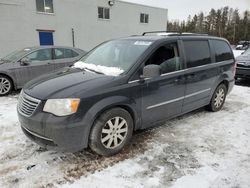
(180, 9)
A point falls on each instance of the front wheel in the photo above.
(6, 85)
(111, 132)
(218, 98)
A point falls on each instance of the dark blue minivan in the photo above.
(125, 85)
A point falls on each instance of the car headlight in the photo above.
(61, 107)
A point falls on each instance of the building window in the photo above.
(44, 6)
(103, 13)
(144, 18)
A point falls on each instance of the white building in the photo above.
(84, 23)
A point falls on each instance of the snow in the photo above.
(199, 149)
(237, 52)
(111, 71)
(204, 178)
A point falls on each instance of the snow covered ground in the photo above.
(200, 149)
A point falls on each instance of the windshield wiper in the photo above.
(92, 70)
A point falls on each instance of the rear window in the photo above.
(197, 53)
(222, 50)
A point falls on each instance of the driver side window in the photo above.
(167, 57)
(40, 55)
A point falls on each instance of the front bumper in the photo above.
(57, 133)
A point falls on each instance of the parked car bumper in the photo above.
(55, 133)
(242, 72)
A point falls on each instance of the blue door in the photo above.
(46, 38)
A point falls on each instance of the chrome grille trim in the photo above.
(27, 105)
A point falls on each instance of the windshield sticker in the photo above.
(26, 49)
(143, 43)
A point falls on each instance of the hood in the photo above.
(66, 83)
(243, 58)
(5, 63)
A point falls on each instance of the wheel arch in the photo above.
(106, 104)
(223, 78)
(225, 82)
(11, 79)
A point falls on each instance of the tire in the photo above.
(6, 85)
(218, 98)
(111, 132)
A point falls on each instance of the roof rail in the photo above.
(174, 33)
(155, 32)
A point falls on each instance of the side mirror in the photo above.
(151, 71)
(24, 62)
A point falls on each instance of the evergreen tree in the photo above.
(225, 22)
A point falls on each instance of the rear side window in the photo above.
(222, 50)
(61, 53)
(74, 54)
(197, 53)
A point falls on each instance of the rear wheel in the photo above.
(218, 98)
(6, 85)
(111, 132)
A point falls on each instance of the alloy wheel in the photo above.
(219, 97)
(114, 132)
(5, 85)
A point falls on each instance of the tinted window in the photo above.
(74, 54)
(68, 53)
(197, 53)
(61, 53)
(222, 50)
(167, 57)
(40, 55)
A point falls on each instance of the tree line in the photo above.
(224, 22)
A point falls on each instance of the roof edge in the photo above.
(132, 3)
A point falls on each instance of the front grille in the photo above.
(27, 105)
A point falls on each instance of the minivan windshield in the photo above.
(16, 55)
(113, 57)
(247, 52)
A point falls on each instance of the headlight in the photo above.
(61, 107)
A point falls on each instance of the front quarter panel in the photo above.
(105, 104)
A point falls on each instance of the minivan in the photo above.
(124, 85)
